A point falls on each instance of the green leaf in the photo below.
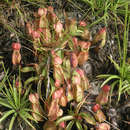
(12, 121)
(8, 97)
(25, 112)
(4, 102)
(15, 94)
(88, 2)
(9, 84)
(7, 92)
(5, 76)
(1, 86)
(6, 114)
(44, 72)
(125, 87)
(125, 40)
(27, 69)
(110, 78)
(115, 64)
(65, 118)
(127, 72)
(88, 118)
(104, 76)
(26, 93)
(79, 126)
(4, 79)
(22, 115)
(70, 124)
(24, 103)
(119, 90)
(112, 87)
(30, 110)
(28, 81)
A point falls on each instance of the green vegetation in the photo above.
(122, 80)
(17, 104)
(54, 88)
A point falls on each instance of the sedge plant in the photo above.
(112, 5)
(14, 101)
(122, 79)
(103, 10)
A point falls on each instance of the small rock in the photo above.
(112, 113)
(87, 67)
(95, 87)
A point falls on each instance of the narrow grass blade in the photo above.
(4, 102)
(79, 126)
(30, 110)
(115, 64)
(88, 2)
(126, 87)
(8, 96)
(112, 88)
(6, 114)
(25, 112)
(15, 96)
(12, 121)
(119, 90)
(69, 126)
(104, 76)
(25, 119)
(110, 78)
(26, 93)
(125, 41)
(97, 21)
